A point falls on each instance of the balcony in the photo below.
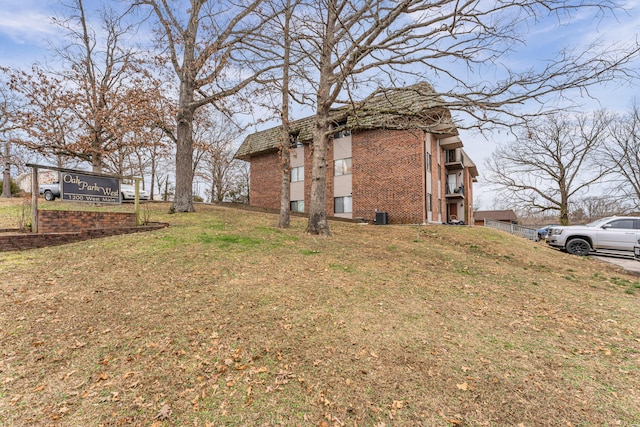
(454, 159)
(450, 143)
(452, 192)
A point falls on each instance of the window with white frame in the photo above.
(295, 140)
(297, 174)
(297, 205)
(342, 133)
(342, 204)
(342, 167)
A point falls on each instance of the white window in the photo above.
(297, 174)
(297, 205)
(295, 141)
(342, 167)
(342, 133)
(342, 204)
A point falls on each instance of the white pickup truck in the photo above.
(616, 234)
(50, 191)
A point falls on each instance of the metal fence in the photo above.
(518, 230)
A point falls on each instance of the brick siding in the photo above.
(264, 181)
(24, 241)
(387, 174)
(62, 227)
(63, 221)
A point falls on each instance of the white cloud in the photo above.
(23, 24)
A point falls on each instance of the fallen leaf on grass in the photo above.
(249, 391)
(463, 386)
(164, 413)
(259, 370)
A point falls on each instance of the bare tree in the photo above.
(99, 63)
(590, 208)
(8, 108)
(622, 154)
(285, 195)
(86, 108)
(215, 136)
(49, 123)
(552, 161)
(147, 133)
(238, 182)
(375, 45)
(205, 46)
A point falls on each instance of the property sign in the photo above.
(88, 188)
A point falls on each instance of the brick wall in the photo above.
(387, 174)
(264, 186)
(65, 221)
(24, 241)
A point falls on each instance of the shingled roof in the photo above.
(413, 107)
(497, 215)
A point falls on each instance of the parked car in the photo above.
(542, 232)
(612, 234)
(50, 191)
(128, 193)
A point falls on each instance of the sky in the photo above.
(27, 32)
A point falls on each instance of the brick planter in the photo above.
(61, 221)
(62, 227)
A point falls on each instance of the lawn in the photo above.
(222, 319)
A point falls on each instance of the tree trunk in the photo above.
(153, 175)
(96, 162)
(564, 211)
(285, 190)
(318, 223)
(285, 159)
(183, 198)
(213, 187)
(6, 176)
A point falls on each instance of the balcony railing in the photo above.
(457, 190)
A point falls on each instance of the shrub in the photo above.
(15, 190)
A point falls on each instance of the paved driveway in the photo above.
(629, 264)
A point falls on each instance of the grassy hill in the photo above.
(223, 319)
